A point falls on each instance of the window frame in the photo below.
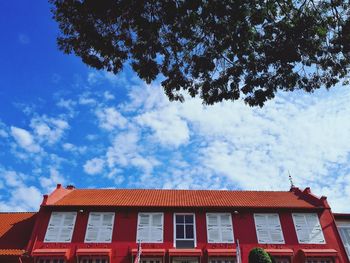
(194, 228)
(296, 232)
(87, 226)
(268, 229)
(137, 227)
(218, 215)
(344, 225)
(73, 226)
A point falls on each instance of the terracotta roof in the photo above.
(11, 252)
(181, 198)
(15, 231)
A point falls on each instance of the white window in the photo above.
(268, 229)
(150, 228)
(308, 228)
(185, 234)
(344, 230)
(60, 228)
(219, 228)
(99, 228)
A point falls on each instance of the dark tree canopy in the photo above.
(215, 49)
(259, 255)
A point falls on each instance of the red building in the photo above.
(177, 226)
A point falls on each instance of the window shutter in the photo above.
(268, 229)
(107, 227)
(345, 236)
(60, 227)
(143, 227)
(100, 227)
(275, 228)
(219, 228)
(213, 228)
(261, 226)
(150, 227)
(226, 228)
(157, 228)
(308, 228)
(316, 234)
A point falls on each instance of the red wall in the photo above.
(124, 234)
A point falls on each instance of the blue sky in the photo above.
(63, 122)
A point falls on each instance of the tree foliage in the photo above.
(259, 255)
(215, 49)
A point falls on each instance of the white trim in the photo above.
(194, 228)
(268, 228)
(87, 226)
(137, 226)
(231, 221)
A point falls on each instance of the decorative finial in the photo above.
(290, 180)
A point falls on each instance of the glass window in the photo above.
(184, 231)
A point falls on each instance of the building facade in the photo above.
(182, 226)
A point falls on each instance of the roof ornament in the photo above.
(291, 180)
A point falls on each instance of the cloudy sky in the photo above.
(62, 122)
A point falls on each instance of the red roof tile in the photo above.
(181, 198)
(15, 231)
(11, 252)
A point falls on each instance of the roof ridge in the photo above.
(189, 190)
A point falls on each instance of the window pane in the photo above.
(184, 244)
(179, 219)
(180, 231)
(189, 231)
(189, 218)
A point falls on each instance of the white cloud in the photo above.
(69, 147)
(109, 118)
(24, 139)
(125, 152)
(167, 124)
(21, 196)
(49, 130)
(108, 96)
(94, 166)
(253, 148)
(49, 183)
